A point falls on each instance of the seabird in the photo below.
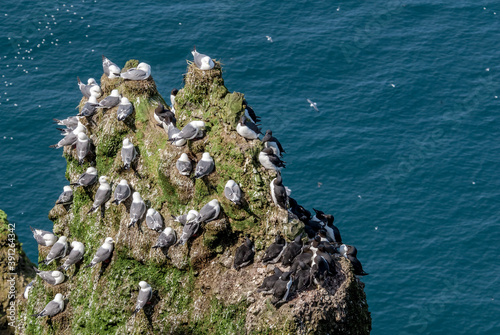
(192, 130)
(249, 113)
(58, 250)
(278, 192)
(110, 69)
(268, 283)
(247, 129)
(90, 89)
(87, 178)
(303, 277)
(232, 192)
(272, 142)
(244, 254)
(111, 100)
(319, 269)
(125, 108)
(166, 239)
(209, 212)
(103, 253)
(70, 122)
(281, 289)
(102, 194)
(163, 114)
(70, 138)
(122, 192)
(66, 197)
(50, 277)
(303, 214)
(356, 264)
(292, 250)
(75, 256)
(43, 237)
(270, 161)
(184, 165)
(141, 72)
(128, 153)
(82, 147)
(145, 294)
(28, 289)
(205, 166)
(275, 250)
(172, 98)
(333, 233)
(172, 131)
(154, 220)
(203, 62)
(137, 209)
(313, 105)
(190, 227)
(90, 107)
(182, 219)
(53, 308)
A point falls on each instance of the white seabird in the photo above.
(75, 256)
(205, 166)
(137, 209)
(28, 289)
(172, 98)
(248, 129)
(203, 62)
(209, 212)
(182, 219)
(82, 147)
(43, 237)
(66, 197)
(166, 239)
(122, 192)
(272, 142)
(232, 191)
(192, 130)
(184, 165)
(172, 131)
(125, 108)
(58, 250)
(141, 72)
(50, 277)
(70, 122)
(53, 308)
(143, 297)
(154, 220)
(191, 226)
(71, 137)
(90, 107)
(102, 194)
(278, 192)
(128, 153)
(270, 161)
(103, 253)
(87, 178)
(111, 100)
(110, 69)
(90, 88)
(313, 105)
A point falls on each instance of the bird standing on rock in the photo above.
(205, 166)
(58, 250)
(104, 253)
(244, 254)
(154, 221)
(270, 161)
(122, 192)
(128, 153)
(184, 165)
(102, 194)
(166, 239)
(66, 197)
(90, 89)
(247, 129)
(110, 69)
(272, 142)
(125, 108)
(143, 297)
(53, 308)
(275, 250)
(137, 209)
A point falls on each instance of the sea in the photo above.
(404, 149)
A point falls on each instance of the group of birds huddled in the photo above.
(316, 259)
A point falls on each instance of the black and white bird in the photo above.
(125, 108)
(203, 62)
(43, 237)
(270, 161)
(58, 250)
(162, 114)
(249, 113)
(182, 219)
(244, 254)
(128, 153)
(184, 165)
(82, 147)
(122, 192)
(166, 239)
(90, 89)
(88, 178)
(145, 294)
(275, 250)
(282, 288)
(90, 107)
(191, 131)
(205, 166)
(191, 226)
(267, 285)
(66, 197)
(279, 192)
(332, 232)
(292, 250)
(356, 264)
(102, 195)
(154, 220)
(141, 72)
(209, 212)
(70, 138)
(103, 253)
(232, 192)
(75, 256)
(110, 69)
(302, 276)
(53, 308)
(111, 100)
(28, 289)
(173, 94)
(247, 129)
(137, 209)
(272, 142)
(319, 270)
(50, 277)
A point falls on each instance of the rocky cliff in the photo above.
(196, 290)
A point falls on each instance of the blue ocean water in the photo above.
(404, 150)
